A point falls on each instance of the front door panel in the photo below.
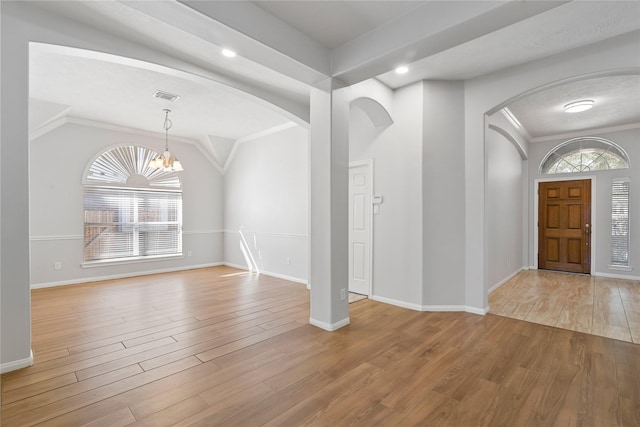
(564, 226)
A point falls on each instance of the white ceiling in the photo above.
(123, 95)
(617, 103)
(334, 23)
(284, 46)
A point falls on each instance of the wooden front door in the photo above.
(564, 226)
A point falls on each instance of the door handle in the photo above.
(586, 228)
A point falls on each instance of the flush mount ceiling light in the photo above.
(578, 106)
(228, 53)
(166, 161)
(402, 69)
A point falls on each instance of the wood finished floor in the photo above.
(218, 346)
(595, 305)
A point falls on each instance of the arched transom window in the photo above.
(584, 154)
(131, 210)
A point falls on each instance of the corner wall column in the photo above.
(15, 319)
(329, 168)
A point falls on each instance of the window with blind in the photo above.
(620, 222)
(131, 211)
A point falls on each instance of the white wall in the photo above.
(504, 208)
(397, 228)
(266, 195)
(628, 140)
(56, 204)
(486, 93)
(443, 194)
(24, 22)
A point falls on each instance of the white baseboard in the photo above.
(16, 364)
(456, 308)
(505, 280)
(417, 307)
(329, 326)
(270, 274)
(476, 310)
(238, 266)
(121, 276)
(616, 276)
(285, 277)
(403, 304)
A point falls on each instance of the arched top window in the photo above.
(132, 212)
(584, 154)
(129, 166)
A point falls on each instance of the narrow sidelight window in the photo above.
(620, 222)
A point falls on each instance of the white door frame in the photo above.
(369, 164)
(536, 196)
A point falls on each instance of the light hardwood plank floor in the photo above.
(595, 305)
(222, 347)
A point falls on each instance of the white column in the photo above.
(329, 169)
(15, 318)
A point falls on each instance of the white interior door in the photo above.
(360, 189)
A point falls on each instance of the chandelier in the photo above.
(166, 161)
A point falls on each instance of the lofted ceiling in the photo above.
(286, 46)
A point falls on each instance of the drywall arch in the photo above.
(296, 115)
(511, 139)
(378, 115)
(487, 94)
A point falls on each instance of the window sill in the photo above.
(620, 268)
(136, 260)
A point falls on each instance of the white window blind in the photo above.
(620, 222)
(127, 223)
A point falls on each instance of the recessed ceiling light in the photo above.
(228, 53)
(402, 70)
(578, 106)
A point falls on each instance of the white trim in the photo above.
(52, 125)
(431, 308)
(129, 260)
(444, 308)
(61, 237)
(238, 266)
(80, 237)
(455, 308)
(285, 277)
(536, 199)
(252, 137)
(121, 276)
(329, 326)
(266, 132)
(17, 364)
(202, 231)
(617, 276)
(403, 304)
(506, 279)
(476, 310)
(369, 164)
(270, 274)
(266, 234)
(596, 131)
